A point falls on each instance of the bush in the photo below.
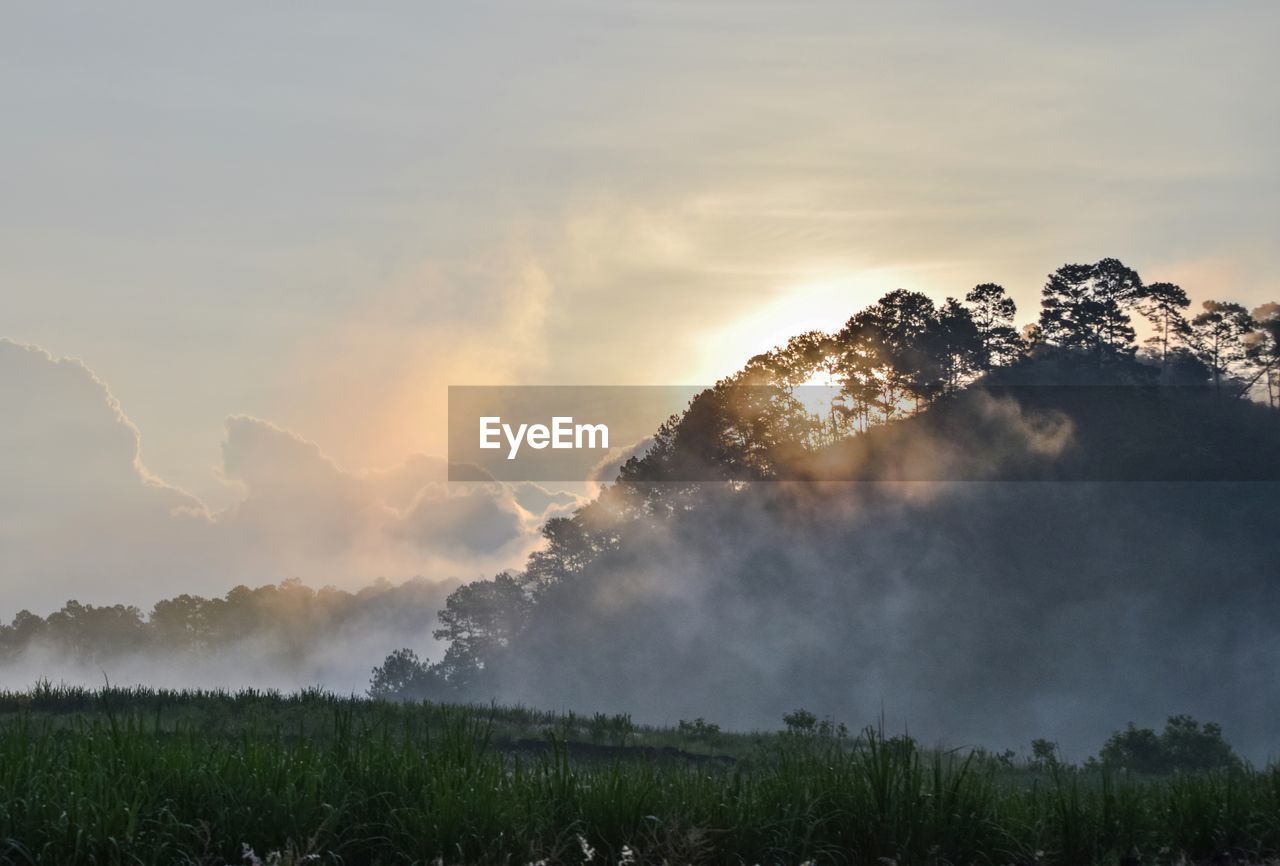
(800, 722)
(804, 722)
(1184, 746)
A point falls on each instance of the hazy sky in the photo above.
(321, 217)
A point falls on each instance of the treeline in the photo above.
(289, 619)
(890, 361)
(901, 354)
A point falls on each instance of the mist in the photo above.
(1011, 564)
(283, 637)
(978, 614)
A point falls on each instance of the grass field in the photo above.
(142, 776)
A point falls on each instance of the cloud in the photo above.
(82, 517)
(63, 427)
(606, 471)
(374, 386)
(79, 512)
(537, 499)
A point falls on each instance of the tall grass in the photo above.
(138, 776)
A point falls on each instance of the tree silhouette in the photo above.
(737, 430)
(808, 359)
(1217, 338)
(1184, 746)
(402, 677)
(479, 620)
(955, 345)
(1262, 350)
(1162, 305)
(993, 315)
(571, 546)
(1085, 308)
(886, 360)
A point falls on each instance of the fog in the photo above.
(981, 614)
(968, 612)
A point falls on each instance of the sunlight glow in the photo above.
(821, 305)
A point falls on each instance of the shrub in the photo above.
(1184, 746)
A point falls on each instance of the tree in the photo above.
(402, 677)
(1162, 304)
(741, 429)
(993, 313)
(479, 620)
(18, 635)
(798, 361)
(800, 721)
(1184, 746)
(955, 345)
(1135, 749)
(571, 546)
(95, 632)
(1262, 350)
(182, 622)
(1044, 752)
(1191, 748)
(806, 360)
(1217, 338)
(884, 359)
(1085, 308)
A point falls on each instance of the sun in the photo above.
(824, 304)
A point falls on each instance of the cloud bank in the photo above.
(82, 517)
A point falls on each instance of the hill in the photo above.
(984, 537)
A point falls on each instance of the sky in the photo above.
(286, 229)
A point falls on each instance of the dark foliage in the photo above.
(1184, 746)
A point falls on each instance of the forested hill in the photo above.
(1054, 597)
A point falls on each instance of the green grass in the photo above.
(142, 776)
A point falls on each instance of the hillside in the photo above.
(974, 612)
(984, 537)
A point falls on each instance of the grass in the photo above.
(143, 776)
